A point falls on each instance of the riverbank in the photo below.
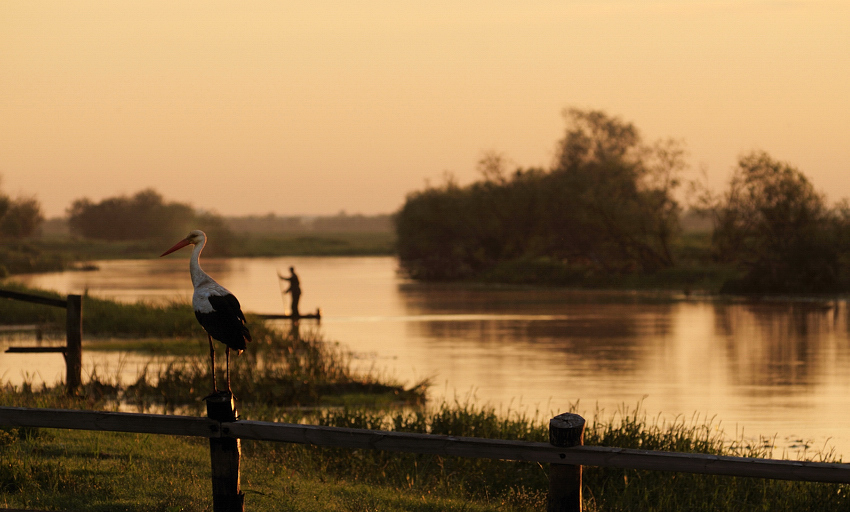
(285, 368)
(61, 252)
(58, 469)
(694, 273)
(78, 470)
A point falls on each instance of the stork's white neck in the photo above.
(198, 275)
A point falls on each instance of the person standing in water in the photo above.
(294, 290)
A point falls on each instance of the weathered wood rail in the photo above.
(73, 349)
(565, 452)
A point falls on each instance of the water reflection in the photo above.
(779, 345)
(604, 331)
(769, 366)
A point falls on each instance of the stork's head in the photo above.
(195, 237)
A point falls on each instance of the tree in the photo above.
(20, 218)
(606, 206)
(614, 199)
(595, 137)
(777, 228)
(145, 216)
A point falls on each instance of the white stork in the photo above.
(217, 310)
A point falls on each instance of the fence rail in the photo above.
(37, 299)
(451, 446)
(73, 349)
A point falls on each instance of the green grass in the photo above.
(687, 276)
(325, 244)
(105, 318)
(76, 470)
(285, 368)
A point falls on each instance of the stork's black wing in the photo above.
(226, 322)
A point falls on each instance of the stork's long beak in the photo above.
(178, 245)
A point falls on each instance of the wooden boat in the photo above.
(314, 316)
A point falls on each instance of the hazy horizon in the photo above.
(310, 109)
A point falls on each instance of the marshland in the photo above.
(650, 369)
(489, 309)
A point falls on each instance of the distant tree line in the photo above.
(607, 208)
(272, 224)
(19, 218)
(778, 231)
(143, 216)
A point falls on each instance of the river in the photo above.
(772, 368)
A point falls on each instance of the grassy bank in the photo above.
(694, 270)
(325, 244)
(285, 368)
(70, 470)
(74, 470)
(58, 252)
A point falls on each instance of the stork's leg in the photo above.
(227, 351)
(212, 363)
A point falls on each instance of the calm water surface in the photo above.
(773, 368)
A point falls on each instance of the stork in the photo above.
(217, 310)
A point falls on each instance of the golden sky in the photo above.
(321, 106)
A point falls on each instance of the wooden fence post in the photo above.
(74, 343)
(565, 430)
(224, 456)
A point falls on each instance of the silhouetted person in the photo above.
(294, 289)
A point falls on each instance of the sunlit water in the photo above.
(764, 368)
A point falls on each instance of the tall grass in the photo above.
(59, 469)
(615, 490)
(283, 369)
(276, 370)
(103, 317)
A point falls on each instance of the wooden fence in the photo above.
(73, 349)
(565, 452)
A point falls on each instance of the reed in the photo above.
(66, 470)
(291, 368)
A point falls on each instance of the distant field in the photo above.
(55, 249)
(320, 244)
(339, 235)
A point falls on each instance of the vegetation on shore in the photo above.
(286, 369)
(55, 253)
(77, 470)
(57, 469)
(142, 225)
(607, 214)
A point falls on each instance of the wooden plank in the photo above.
(539, 452)
(449, 446)
(109, 421)
(19, 328)
(306, 316)
(391, 441)
(709, 464)
(36, 349)
(46, 301)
